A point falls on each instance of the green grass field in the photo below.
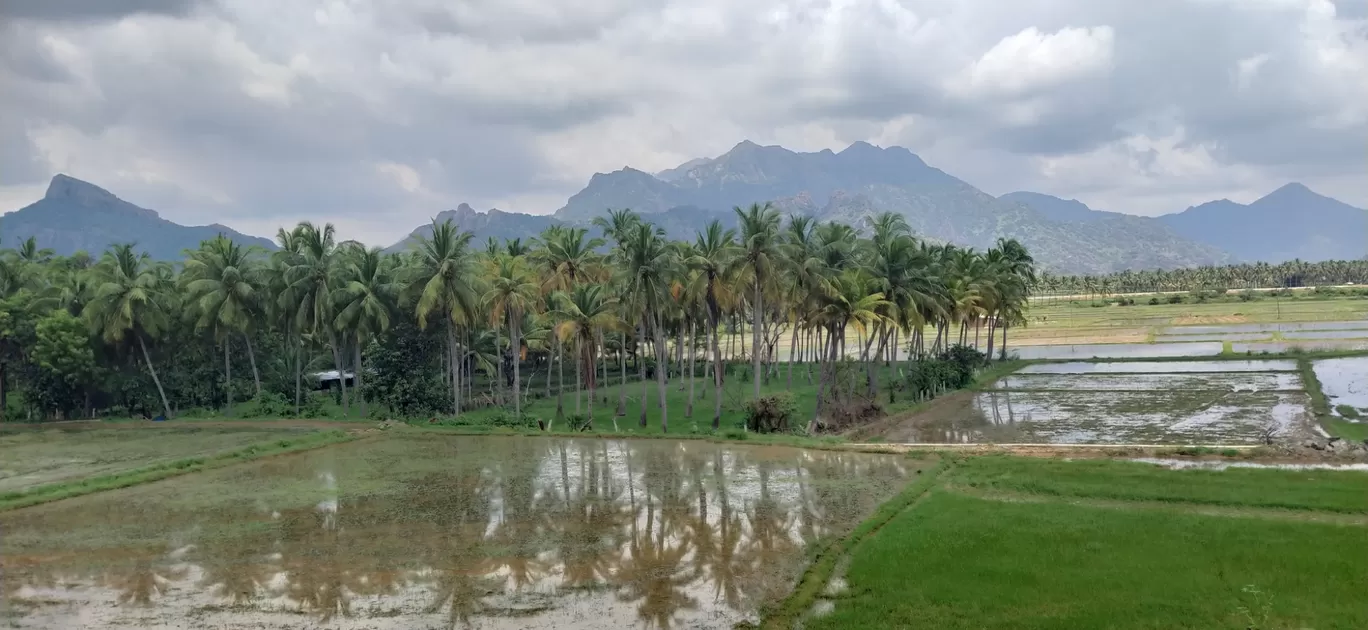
(1025, 543)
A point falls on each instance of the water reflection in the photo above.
(497, 532)
(1118, 350)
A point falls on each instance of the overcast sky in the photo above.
(377, 114)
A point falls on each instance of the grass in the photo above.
(825, 559)
(1320, 406)
(960, 562)
(1131, 481)
(957, 561)
(162, 470)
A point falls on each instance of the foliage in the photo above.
(770, 414)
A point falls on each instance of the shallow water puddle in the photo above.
(1139, 367)
(1277, 347)
(1232, 381)
(1344, 381)
(1265, 328)
(445, 531)
(1119, 351)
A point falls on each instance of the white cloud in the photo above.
(1032, 61)
(378, 115)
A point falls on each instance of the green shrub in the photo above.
(267, 405)
(577, 422)
(1154, 301)
(770, 414)
(1176, 298)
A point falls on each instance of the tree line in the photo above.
(422, 329)
(1258, 275)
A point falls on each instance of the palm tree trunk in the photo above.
(991, 334)
(717, 373)
(360, 399)
(793, 346)
(755, 335)
(251, 356)
(622, 391)
(579, 372)
(663, 353)
(227, 378)
(693, 374)
(341, 373)
(560, 385)
(299, 374)
(514, 326)
(641, 370)
(498, 369)
(147, 358)
(872, 374)
(454, 370)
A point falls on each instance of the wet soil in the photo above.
(443, 531)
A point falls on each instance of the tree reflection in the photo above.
(144, 574)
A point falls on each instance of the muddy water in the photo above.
(1344, 382)
(1285, 346)
(1118, 351)
(444, 532)
(1143, 367)
(1164, 338)
(1232, 381)
(1327, 334)
(1269, 327)
(1109, 417)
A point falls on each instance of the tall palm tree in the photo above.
(128, 301)
(758, 258)
(223, 294)
(444, 284)
(366, 297)
(310, 283)
(648, 263)
(712, 256)
(584, 313)
(512, 292)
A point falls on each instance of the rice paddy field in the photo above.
(37, 455)
(420, 529)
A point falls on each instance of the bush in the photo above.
(577, 422)
(1154, 301)
(770, 414)
(267, 405)
(1176, 298)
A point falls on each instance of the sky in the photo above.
(377, 114)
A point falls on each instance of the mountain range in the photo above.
(78, 216)
(1065, 236)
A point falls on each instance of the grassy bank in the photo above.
(64, 490)
(1041, 555)
(1320, 405)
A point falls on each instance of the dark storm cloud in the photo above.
(385, 113)
(73, 10)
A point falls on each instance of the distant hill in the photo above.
(863, 180)
(80, 216)
(495, 223)
(1289, 223)
(1145, 240)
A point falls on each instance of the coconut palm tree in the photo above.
(512, 292)
(712, 257)
(222, 285)
(758, 258)
(583, 313)
(443, 284)
(648, 263)
(130, 300)
(366, 298)
(310, 283)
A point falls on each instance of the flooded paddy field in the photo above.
(1119, 351)
(1359, 324)
(1188, 402)
(1279, 347)
(36, 456)
(1217, 337)
(1165, 367)
(1344, 383)
(402, 532)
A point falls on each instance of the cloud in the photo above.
(377, 115)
